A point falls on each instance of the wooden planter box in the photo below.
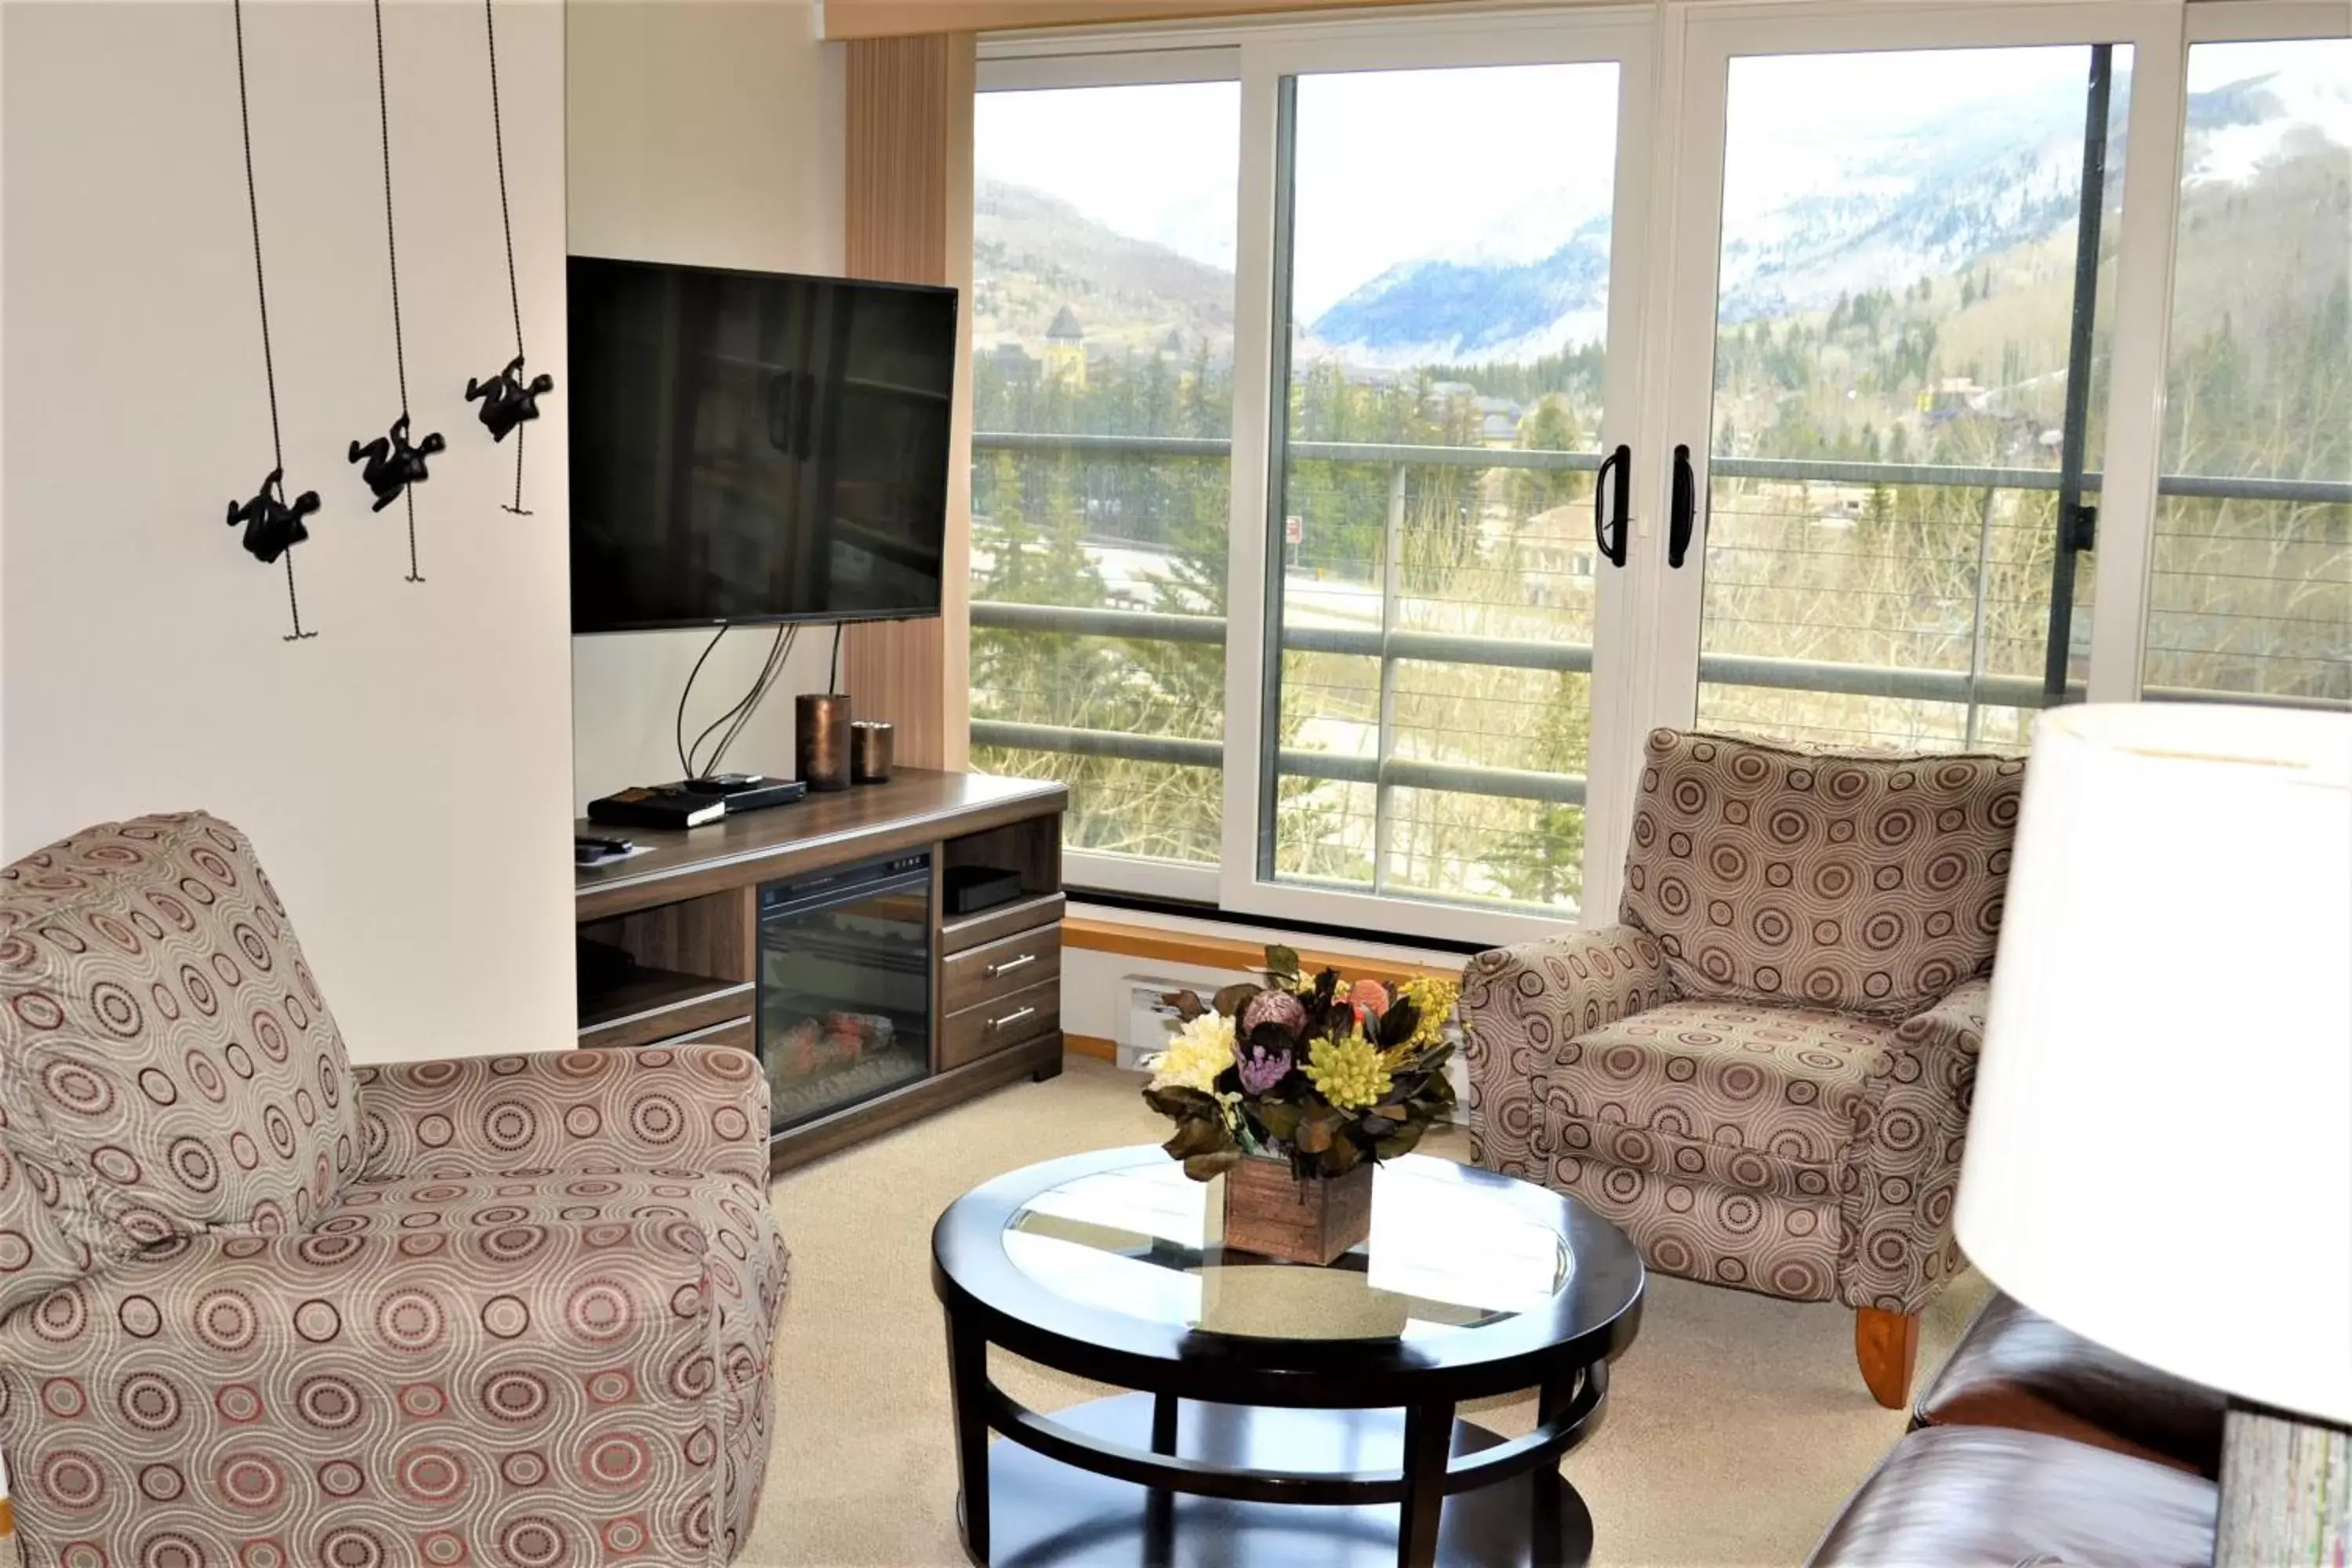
(1270, 1212)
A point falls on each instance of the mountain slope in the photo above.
(1034, 253)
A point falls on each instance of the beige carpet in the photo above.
(1736, 1425)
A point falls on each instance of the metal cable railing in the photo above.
(1975, 688)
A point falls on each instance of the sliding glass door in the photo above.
(1447, 318)
(1895, 313)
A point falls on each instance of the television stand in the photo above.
(714, 961)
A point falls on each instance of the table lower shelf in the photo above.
(1042, 1511)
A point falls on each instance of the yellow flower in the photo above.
(1433, 999)
(1202, 1049)
(1349, 1073)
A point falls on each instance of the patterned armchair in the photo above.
(1762, 1073)
(258, 1310)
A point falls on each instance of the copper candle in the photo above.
(821, 738)
(871, 742)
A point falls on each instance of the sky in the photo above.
(1154, 162)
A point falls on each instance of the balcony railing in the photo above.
(1390, 645)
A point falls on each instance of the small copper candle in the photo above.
(871, 742)
(821, 738)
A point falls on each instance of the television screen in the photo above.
(753, 447)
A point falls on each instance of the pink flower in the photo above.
(1280, 1008)
(1370, 996)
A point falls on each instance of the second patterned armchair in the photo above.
(259, 1307)
(1762, 1073)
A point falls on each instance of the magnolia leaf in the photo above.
(1181, 1102)
(1232, 999)
(1402, 1140)
(1196, 1138)
(1200, 1167)
(1399, 1022)
(1315, 1134)
(1342, 1157)
(1281, 1119)
(1398, 1113)
(1282, 962)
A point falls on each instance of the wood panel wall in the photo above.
(899, 18)
(909, 201)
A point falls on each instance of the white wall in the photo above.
(405, 775)
(707, 133)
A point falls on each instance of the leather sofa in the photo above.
(259, 1307)
(1762, 1072)
(2033, 1445)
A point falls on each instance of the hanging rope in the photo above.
(509, 402)
(289, 530)
(394, 465)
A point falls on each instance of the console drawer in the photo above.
(983, 975)
(977, 1032)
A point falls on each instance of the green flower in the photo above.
(1349, 1073)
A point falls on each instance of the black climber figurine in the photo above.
(507, 400)
(392, 465)
(271, 527)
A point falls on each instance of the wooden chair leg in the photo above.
(1886, 1344)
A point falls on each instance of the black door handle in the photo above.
(1621, 460)
(1684, 513)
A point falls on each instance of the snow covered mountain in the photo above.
(1878, 212)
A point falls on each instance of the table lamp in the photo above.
(2159, 1157)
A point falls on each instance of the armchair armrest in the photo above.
(698, 1107)
(1903, 1169)
(1521, 1004)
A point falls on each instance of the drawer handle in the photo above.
(1012, 1018)
(1008, 966)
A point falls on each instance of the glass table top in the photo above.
(1146, 1240)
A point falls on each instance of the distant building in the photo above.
(1172, 345)
(1066, 349)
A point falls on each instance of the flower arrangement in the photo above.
(1320, 1072)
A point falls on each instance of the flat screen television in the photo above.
(754, 446)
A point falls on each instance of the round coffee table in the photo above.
(1286, 1414)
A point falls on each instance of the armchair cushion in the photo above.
(167, 1063)
(1860, 881)
(1765, 1099)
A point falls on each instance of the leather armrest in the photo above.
(2016, 1368)
(1978, 1496)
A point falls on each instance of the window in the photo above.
(1330, 378)
(2251, 589)
(1102, 387)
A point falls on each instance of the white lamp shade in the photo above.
(2160, 1156)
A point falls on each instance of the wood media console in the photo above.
(818, 936)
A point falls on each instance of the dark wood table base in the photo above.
(1041, 1511)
